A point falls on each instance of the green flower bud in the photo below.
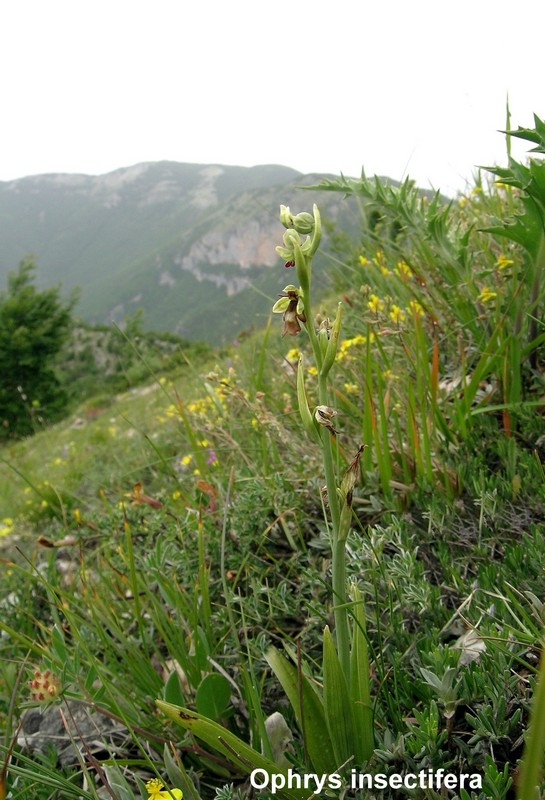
(345, 494)
(304, 410)
(286, 217)
(331, 352)
(323, 338)
(292, 238)
(303, 222)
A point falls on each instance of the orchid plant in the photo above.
(335, 719)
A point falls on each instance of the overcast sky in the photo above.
(401, 88)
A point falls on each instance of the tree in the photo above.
(34, 325)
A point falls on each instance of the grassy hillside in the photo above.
(345, 526)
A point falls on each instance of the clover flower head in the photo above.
(44, 686)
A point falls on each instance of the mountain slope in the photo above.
(193, 245)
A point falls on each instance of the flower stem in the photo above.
(338, 547)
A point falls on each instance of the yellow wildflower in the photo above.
(487, 294)
(415, 308)
(380, 262)
(156, 791)
(375, 303)
(503, 262)
(363, 261)
(312, 371)
(403, 270)
(397, 314)
(346, 344)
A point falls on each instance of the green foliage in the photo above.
(98, 360)
(34, 325)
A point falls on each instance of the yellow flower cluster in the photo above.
(380, 261)
(375, 303)
(347, 344)
(200, 406)
(403, 270)
(396, 314)
(415, 308)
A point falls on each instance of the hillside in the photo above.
(192, 245)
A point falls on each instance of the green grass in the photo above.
(189, 517)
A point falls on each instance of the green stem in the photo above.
(303, 266)
(338, 548)
(535, 741)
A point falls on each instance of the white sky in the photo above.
(398, 87)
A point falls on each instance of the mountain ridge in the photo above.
(181, 241)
